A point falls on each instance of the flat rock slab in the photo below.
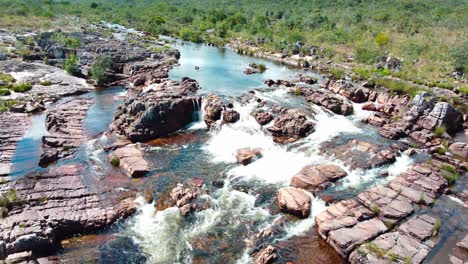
(131, 160)
(294, 201)
(319, 177)
(12, 129)
(411, 242)
(54, 205)
(246, 156)
(65, 124)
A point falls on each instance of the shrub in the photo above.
(364, 55)
(362, 73)
(450, 174)
(436, 228)
(45, 83)
(21, 87)
(7, 78)
(5, 105)
(375, 209)
(71, 65)
(93, 5)
(99, 68)
(190, 35)
(4, 92)
(382, 39)
(337, 74)
(460, 57)
(261, 67)
(379, 252)
(439, 131)
(115, 161)
(297, 92)
(68, 42)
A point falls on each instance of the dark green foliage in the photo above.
(71, 65)
(4, 92)
(460, 57)
(5, 105)
(68, 41)
(20, 87)
(364, 55)
(115, 161)
(99, 68)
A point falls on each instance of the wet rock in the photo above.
(158, 111)
(443, 114)
(12, 128)
(312, 178)
(361, 154)
(213, 109)
(269, 82)
(348, 90)
(262, 117)
(459, 149)
(131, 160)
(59, 205)
(266, 256)
(327, 100)
(66, 130)
(184, 197)
(396, 130)
(376, 120)
(250, 70)
(294, 201)
(289, 126)
(409, 242)
(308, 79)
(369, 106)
(231, 116)
(246, 156)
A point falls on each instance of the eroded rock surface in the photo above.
(294, 201)
(158, 111)
(54, 205)
(319, 177)
(12, 128)
(131, 160)
(65, 124)
(290, 126)
(246, 156)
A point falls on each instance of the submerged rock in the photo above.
(294, 201)
(158, 111)
(184, 196)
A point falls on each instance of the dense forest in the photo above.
(430, 36)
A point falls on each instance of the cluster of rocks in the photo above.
(65, 125)
(12, 129)
(347, 224)
(317, 177)
(216, 109)
(290, 125)
(254, 68)
(410, 243)
(54, 205)
(184, 196)
(158, 111)
(325, 99)
(460, 252)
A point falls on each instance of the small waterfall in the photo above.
(198, 122)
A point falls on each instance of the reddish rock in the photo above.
(131, 160)
(12, 128)
(459, 149)
(266, 256)
(185, 198)
(262, 117)
(231, 116)
(318, 177)
(294, 201)
(246, 156)
(370, 106)
(290, 126)
(213, 109)
(376, 120)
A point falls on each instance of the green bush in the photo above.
(262, 67)
(21, 87)
(382, 39)
(67, 41)
(439, 131)
(5, 105)
(115, 161)
(100, 67)
(450, 174)
(190, 35)
(367, 56)
(460, 57)
(45, 83)
(337, 74)
(7, 78)
(4, 92)
(71, 65)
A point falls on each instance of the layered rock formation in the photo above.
(12, 129)
(319, 177)
(130, 159)
(65, 124)
(294, 201)
(290, 126)
(158, 111)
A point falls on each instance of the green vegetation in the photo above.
(115, 161)
(4, 92)
(71, 65)
(382, 40)
(439, 131)
(5, 105)
(401, 87)
(7, 78)
(376, 250)
(262, 67)
(392, 257)
(436, 228)
(67, 41)
(7, 201)
(450, 174)
(375, 209)
(407, 260)
(46, 83)
(99, 68)
(20, 87)
(337, 74)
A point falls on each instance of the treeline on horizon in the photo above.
(431, 36)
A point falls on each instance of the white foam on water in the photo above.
(359, 114)
(165, 235)
(455, 199)
(402, 163)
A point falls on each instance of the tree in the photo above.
(100, 67)
(93, 5)
(382, 39)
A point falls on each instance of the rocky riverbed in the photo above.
(183, 173)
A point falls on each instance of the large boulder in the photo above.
(289, 126)
(294, 201)
(266, 256)
(213, 109)
(313, 178)
(459, 149)
(158, 111)
(443, 114)
(262, 117)
(131, 160)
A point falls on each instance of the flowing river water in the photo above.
(240, 198)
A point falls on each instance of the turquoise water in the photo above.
(221, 70)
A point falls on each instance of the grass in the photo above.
(46, 83)
(407, 260)
(450, 174)
(376, 250)
(297, 92)
(337, 74)
(7, 78)
(21, 87)
(401, 87)
(7, 201)
(262, 67)
(115, 161)
(392, 256)
(5, 105)
(4, 92)
(375, 209)
(440, 131)
(436, 228)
